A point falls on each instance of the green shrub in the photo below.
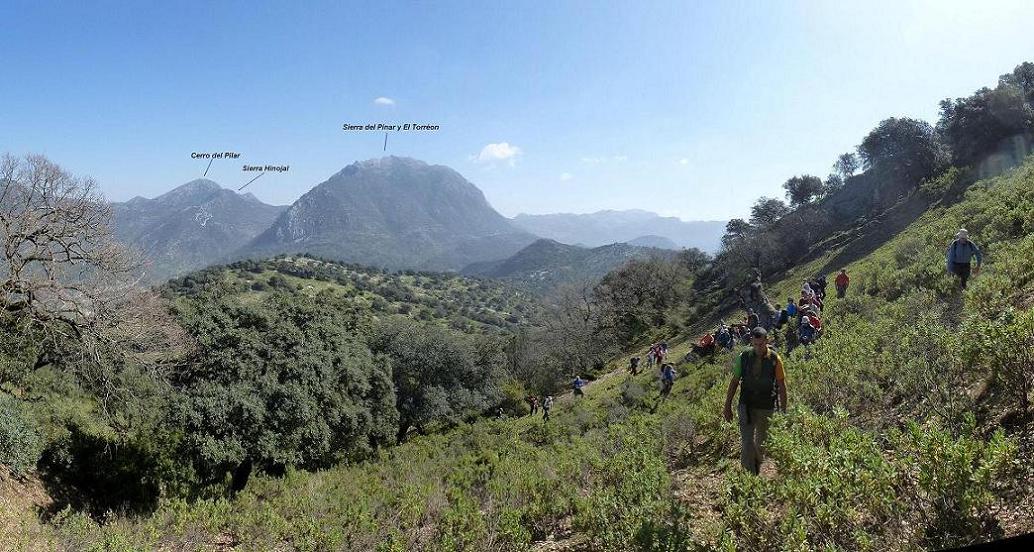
(20, 441)
(953, 480)
(630, 487)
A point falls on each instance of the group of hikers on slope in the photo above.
(804, 313)
(655, 355)
(760, 377)
(758, 372)
(533, 404)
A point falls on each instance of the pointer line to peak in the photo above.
(250, 181)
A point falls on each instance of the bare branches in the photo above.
(60, 260)
(70, 284)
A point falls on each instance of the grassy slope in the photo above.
(611, 471)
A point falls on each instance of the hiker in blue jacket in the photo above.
(960, 255)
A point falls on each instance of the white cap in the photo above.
(962, 233)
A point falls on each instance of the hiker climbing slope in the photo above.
(758, 373)
(960, 256)
(577, 386)
(633, 365)
(667, 379)
(841, 281)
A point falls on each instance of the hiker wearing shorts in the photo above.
(960, 256)
(759, 375)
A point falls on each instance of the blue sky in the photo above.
(692, 109)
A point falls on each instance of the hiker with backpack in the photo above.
(533, 402)
(820, 286)
(705, 347)
(633, 366)
(577, 385)
(759, 375)
(806, 290)
(725, 338)
(841, 281)
(667, 379)
(547, 404)
(651, 358)
(960, 256)
(806, 333)
(752, 320)
(661, 352)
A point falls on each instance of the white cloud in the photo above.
(683, 161)
(566, 176)
(621, 158)
(502, 151)
(384, 101)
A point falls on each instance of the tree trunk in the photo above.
(403, 430)
(240, 476)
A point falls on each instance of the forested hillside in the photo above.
(467, 304)
(546, 265)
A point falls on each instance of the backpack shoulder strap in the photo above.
(745, 362)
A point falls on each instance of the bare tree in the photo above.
(61, 261)
(577, 338)
(64, 275)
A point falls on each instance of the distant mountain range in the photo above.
(546, 263)
(395, 213)
(632, 226)
(192, 226)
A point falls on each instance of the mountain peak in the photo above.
(396, 212)
(199, 185)
(191, 190)
(386, 163)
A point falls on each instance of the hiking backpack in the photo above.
(758, 387)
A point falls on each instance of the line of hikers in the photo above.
(758, 373)
(805, 313)
(655, 355)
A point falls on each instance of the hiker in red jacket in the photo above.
(841, 282)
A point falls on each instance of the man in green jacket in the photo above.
(759, 374)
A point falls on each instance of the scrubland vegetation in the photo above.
(272, 404)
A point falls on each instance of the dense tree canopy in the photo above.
(904, 148)
(846, 165)
(766, 211)
(636, 296)
(801, 190)
(280, 383)
(440, 376)
(974, 126)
